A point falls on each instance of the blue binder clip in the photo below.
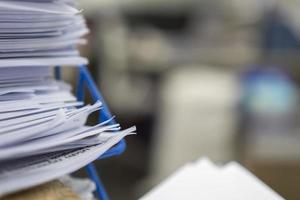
(85, 80)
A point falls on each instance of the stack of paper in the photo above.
(204, 180)
(42, 126)
(42, 130)
(40, 32)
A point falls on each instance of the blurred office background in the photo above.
(199, 78)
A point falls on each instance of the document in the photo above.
(55, 7)
(40, 33)
(43, 131)
(44, 135)
(205, 180)
(46, 167)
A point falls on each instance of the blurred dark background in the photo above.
(199, 78)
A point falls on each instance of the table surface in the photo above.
(54, 190)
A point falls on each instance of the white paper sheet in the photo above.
(33, 130)
(40, 33)
(39, 169)
(42, 126)
(55, 7)
(205, 180)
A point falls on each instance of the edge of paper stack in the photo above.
(40, 33)
(42, 126)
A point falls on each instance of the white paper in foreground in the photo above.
(204, 180)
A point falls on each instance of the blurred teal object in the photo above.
(269, 103)
(269, 90)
